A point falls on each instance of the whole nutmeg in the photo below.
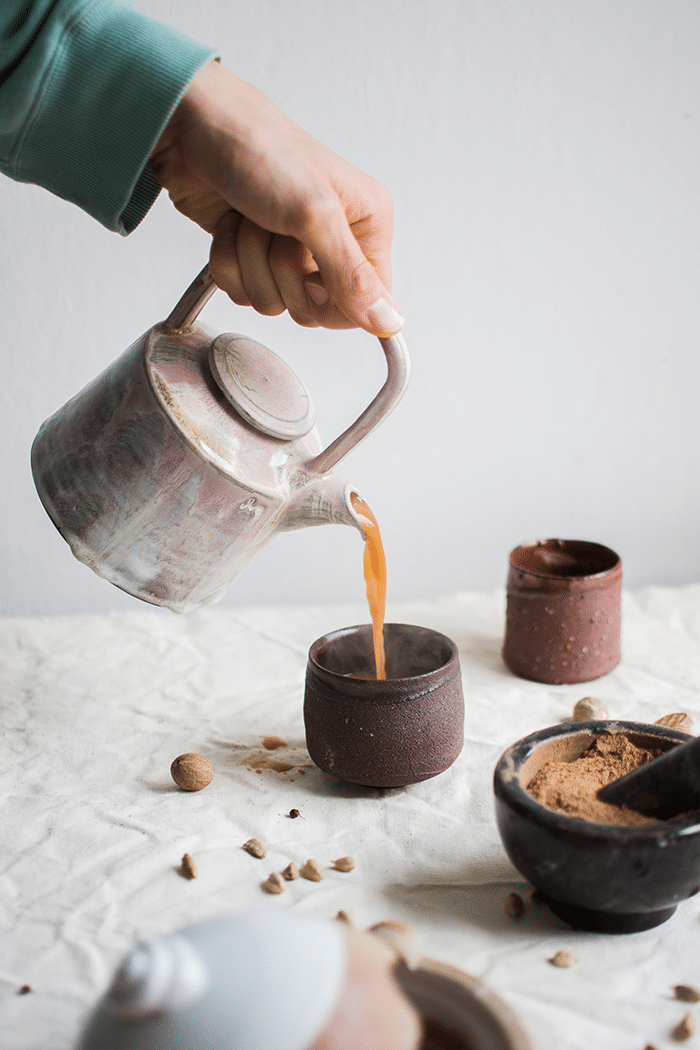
(677, 720)
(191, 771)
(590, 709)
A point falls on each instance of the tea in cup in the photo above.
(387, 732)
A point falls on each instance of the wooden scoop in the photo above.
(664, 787)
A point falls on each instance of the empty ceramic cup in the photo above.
(563, 611)
(607, 878)
(389, 733)
(458, 1011)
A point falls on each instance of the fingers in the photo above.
(372, 1012)
(228, 146)
(351, 275)
(239, 262)
(271, 273)
(223, 258)
(290, 263)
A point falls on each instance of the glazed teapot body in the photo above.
(172, 469)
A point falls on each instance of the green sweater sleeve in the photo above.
(86, 88)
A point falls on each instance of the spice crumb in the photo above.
(571, 787)
(273, 883)
(311, 870)
(256, 848)
(24, 990)
(188, 867)
(291, 872)
(685, 1028)
(343, 916)
(344, 864)
(563, 960)
(686, 993)
(514, 906)
(294, 813)
(273, 743)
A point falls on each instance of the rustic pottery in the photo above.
(563, 611)
(187, 990)
(173, 468)
(459, 1012)
(386, 733)
(601, 877)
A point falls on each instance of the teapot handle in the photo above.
(399, 373)
(193, 301)
(398, 362)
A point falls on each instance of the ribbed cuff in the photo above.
(114, 80)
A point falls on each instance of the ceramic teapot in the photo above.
(172, 469)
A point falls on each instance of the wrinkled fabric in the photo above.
(93, 709)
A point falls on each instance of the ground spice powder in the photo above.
(571, 787)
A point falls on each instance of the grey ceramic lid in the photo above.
(261, 387)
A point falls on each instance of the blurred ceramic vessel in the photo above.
(607, 878)
(458, 1011)
(172, 469)
(269, 981)
(385, 733)
(563, 611)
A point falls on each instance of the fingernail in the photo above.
(317, 293)
(385, 316)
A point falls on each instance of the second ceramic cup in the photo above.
(389, 733)
(563, 616)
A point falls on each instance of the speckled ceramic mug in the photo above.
(563, 614)
(387, 733)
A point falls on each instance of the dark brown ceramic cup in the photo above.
(389, 733)
(563, 613)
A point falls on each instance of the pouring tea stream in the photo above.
(173, 468)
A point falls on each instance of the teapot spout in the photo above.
(324, 501)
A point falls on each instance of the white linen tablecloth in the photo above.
(95, 708)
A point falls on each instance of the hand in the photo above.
(294, 226)
(373, 1013)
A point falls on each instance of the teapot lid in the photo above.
(261, 387)
(243, 441)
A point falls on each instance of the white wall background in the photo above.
(544, 158)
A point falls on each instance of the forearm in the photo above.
(86, 89)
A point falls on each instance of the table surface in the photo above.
(95, 708)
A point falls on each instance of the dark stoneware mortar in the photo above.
(390, 733)
(600, 877)
(563, 615)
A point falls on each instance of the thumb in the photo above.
(351, 282)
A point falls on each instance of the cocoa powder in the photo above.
(571, 787)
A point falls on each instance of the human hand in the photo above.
(294, 226)
(372, 1013)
